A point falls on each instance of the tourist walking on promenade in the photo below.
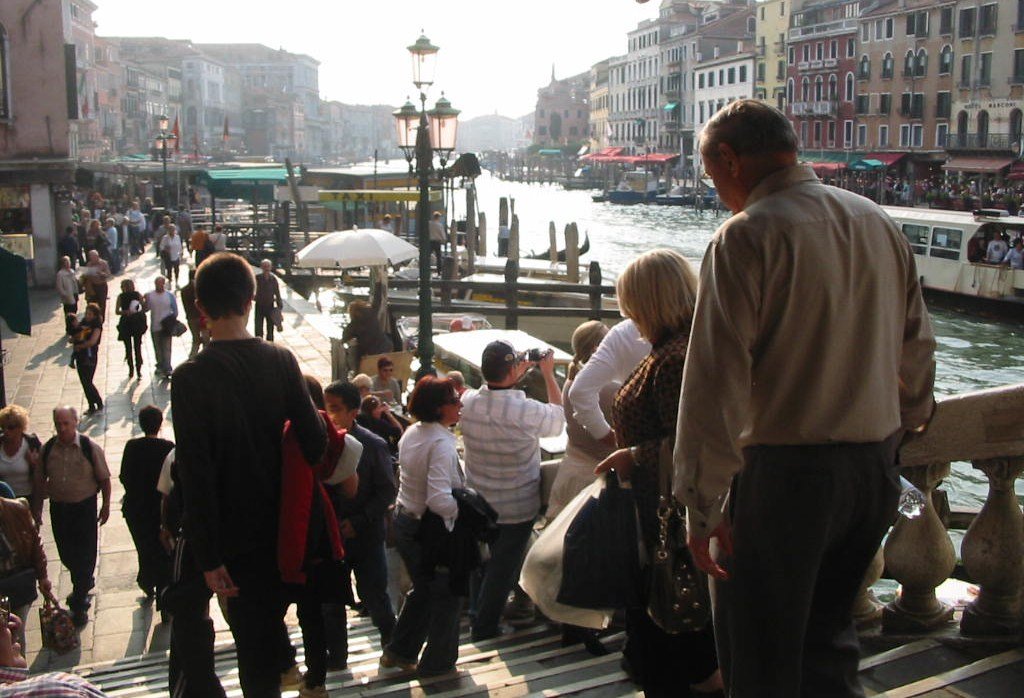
(67, 286)
(230, 405)
(644, 414)
(202, 246)
(85, 337)
(136, 228)
(268, 301)
(437, 238)
(362, 520)
(171, 250)
(113, 244)
(68, 246)
(140, 470)
(430, 470)
(131, 326)
(161, 305)
(798, 388)
(19, 458)
(196, 323)
(74, 470)
(94, 278)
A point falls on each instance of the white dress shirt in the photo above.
(428, 470)
(615, 358)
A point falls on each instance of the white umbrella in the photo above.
(359, 247)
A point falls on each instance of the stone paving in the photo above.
(38, 378)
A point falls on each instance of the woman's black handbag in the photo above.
(678, 599)
(19, 587)
(600, 559)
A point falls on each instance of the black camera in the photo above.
(536, 355)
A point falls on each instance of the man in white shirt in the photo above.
(810, 355)
(1014, 258)
(437, 237)
(501, 429)
(171, 249)
(113, 244)
(161, 304)
(67, 286)
(136, 224)
(615, 358)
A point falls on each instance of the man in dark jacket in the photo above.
(231, 403)
(362, 521)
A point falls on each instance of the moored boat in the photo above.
(944, 245)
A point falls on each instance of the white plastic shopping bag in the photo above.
(541, 577)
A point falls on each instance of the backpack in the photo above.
(84, 442)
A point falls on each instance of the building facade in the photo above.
(599, 96)
(562, 115)
(821, 82)
(770, 42)
(39, 114)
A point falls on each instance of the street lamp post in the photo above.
(420, 134)
(165, 141)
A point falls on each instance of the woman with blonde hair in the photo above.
(582, 451)
(657, 291)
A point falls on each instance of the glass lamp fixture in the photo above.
(444, 124)
(163, 122)
(424, 60)
(407, 123)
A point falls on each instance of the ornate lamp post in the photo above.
(420, 134)
(165, 141)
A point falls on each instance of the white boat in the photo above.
(940, 241)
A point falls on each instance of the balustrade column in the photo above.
(993, 553)
(920, 556)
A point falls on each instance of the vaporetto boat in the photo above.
(941, 240)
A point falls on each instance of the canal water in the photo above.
(972, 353)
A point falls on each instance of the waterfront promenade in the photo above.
(38, 378)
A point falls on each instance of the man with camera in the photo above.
(501, 429)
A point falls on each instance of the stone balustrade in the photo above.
(985, 428)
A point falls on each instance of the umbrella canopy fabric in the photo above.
(347, 249)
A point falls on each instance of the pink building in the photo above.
(39, 106)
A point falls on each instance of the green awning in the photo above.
(866, 165)
(829, 155)
(249, 183)
(549, 151)
(670, 106)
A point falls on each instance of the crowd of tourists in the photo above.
(726, 414)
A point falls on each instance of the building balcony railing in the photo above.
(997, 142)
(840, 26)
(822, 108)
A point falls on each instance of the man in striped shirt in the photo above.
(501, 429)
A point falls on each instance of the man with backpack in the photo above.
(74, 470)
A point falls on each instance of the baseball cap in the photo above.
(497, 357)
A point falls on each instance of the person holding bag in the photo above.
(659, 654)
(22, 560)
(429, 472)
(85, 338)
(131, 326)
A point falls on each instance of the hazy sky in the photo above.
(494, 54)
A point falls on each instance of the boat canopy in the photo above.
(249, 183)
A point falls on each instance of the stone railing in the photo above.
(985, 428)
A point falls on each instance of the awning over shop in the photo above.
(670, 106)
(549, 151)
(827, 169)
(249, 183)
(844, 156)
(888, 159)
(1016, 171)
(866, 165)
(654, 158)
(600, 155)
(977, 164)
